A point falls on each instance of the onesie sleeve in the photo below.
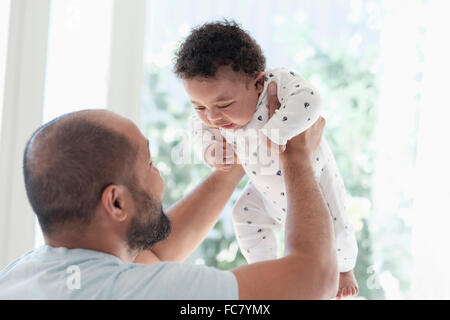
(300, 106)
(202, 137)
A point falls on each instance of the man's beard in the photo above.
(150, 224)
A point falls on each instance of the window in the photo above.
(335, 45)
(371, 70)
(77, 59)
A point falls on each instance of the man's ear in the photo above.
(114, 202)
(259, 82)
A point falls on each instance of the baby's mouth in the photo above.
(228, 126)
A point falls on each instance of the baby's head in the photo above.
(222, 69)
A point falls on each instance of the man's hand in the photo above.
(307, 143)
(273, 105)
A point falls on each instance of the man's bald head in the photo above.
(69, 161)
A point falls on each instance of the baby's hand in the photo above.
(220, 155)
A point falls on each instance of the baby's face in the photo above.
(225, 101)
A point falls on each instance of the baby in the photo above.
(224, 73)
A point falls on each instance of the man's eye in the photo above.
(199, 108)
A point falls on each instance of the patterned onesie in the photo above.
(260, 212)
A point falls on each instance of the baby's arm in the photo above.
(210, 146)
(300, 106)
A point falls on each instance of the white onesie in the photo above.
(259, 214)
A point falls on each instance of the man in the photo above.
(97, 195)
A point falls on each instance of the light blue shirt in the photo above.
(61, 273)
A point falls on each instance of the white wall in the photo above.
(4, 27)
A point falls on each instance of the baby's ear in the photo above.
(259, 82)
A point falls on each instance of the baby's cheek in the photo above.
(246, 115)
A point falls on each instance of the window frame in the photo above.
(22, 113)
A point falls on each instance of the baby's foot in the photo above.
(348, 287)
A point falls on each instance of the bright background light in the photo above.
(382, 67)
(77, 60)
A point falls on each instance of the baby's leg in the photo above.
(257, 233)
(333, 190)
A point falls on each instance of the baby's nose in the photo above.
(214, 115)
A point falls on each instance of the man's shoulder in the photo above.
(51, 273)
(175, 280)
(8, 268)
(57, 273)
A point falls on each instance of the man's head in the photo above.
(91, 172)
(222, 69)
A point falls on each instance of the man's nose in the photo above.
(214, 115)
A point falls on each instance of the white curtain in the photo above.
(411, 186)
(398, 108)
(431, 228)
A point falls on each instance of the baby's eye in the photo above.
(223, 107)
(199, 108)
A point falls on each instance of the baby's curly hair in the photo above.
(216, 44)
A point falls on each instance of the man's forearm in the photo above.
(309, 268)
(196, 214)
(309, 228)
